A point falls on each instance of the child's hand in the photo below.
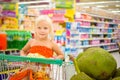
(58, 57)
(55, 57)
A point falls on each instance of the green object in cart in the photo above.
(97, 63)
(28, 59)
(117, 78)
(81, 76)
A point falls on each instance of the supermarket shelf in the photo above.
(29, 20)
(113, 49)
(9, 50)
(86, 46)
(94, 15)
(94, 21)
(91, 38)
(12, 30)
(97, 27)
(31, 15)
(6, 72)
(96, 33)
(30, 2)
(98, 38)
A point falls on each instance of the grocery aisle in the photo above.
(75, 29)
(116, 55)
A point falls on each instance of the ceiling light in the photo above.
(115, 11)
(102, 2)
(117, 5)
(102, 6)
(82, 3)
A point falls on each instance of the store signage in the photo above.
(9, 13)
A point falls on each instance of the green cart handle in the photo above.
(29, 59)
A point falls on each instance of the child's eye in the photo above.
(45, 28)
(39, 27)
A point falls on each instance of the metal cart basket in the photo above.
(12, 66)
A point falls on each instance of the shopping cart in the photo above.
(118, 46)
(11, 66)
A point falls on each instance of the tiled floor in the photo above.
(116, 55)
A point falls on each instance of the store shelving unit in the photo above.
(10, 52)
(28, 11)
(92, 31)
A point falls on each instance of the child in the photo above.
(42, 44)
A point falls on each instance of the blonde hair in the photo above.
(47, 19)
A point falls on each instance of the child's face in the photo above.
(42, 29)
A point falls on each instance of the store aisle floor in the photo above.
(116, 55)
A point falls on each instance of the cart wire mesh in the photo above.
(10, 65)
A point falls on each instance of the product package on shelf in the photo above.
(17, 39)
(12, 41)
(66, 4)
(9, 16)
(3, 41)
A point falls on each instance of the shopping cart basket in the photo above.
(11, 65)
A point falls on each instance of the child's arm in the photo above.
(25, 49)
(57, 50)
